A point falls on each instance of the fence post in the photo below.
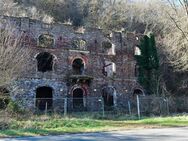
(102, 107)
(138, 106)
(167, 106)
(102, 102)
(129, 107)
(46, 108)
(65, 106)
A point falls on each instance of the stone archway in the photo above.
(44, 98)
(78, 98)
(78, 66)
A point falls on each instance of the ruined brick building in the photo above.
(76, 64)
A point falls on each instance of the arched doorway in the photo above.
(44, 62)
(78, 99)
(44, 98)
(78, 66)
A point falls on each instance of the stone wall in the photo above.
(61, 79)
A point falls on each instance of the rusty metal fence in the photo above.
(94, 106)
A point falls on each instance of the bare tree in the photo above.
(176, 40)
(14, 56)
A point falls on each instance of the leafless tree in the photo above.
(176, 40)
(14, 56)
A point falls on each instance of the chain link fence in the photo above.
(137, 107)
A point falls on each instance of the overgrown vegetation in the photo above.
(148, 63)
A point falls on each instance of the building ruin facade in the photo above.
(81, 65)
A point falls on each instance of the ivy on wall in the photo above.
(148, 63)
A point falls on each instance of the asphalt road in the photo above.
(166, 134)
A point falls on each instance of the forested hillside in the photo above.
(167, 19)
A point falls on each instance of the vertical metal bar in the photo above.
(65, 106)
(138, 106)
(46, 107)
(102, 107)
(167, 106)
(129, 107)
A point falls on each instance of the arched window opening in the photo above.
(138, 92)
(78, 101)
(44, 62)
(137, 51)
(46, 40)
(108, 94)
(109, 69)
(108, 47)
(78, 66)
(44, 98)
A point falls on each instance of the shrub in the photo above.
(14, 108)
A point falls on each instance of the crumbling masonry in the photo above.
(76, 64)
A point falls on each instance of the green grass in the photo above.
(52, 125)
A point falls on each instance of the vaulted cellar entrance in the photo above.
(78, 95)
(78, 66)
(44, 98)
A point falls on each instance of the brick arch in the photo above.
(85, 90)
(83, 58)
(78, 100)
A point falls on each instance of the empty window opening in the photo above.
(137, 51)
(44, 62)
(109, 68)
(108, 97)
(46, 40)
(44, 99)
(111, 51)
(108, 47)
(78, 99)
(78, 66)
(106, 44)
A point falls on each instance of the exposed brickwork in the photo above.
(62, 79)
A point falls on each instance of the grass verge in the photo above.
(53, 125)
